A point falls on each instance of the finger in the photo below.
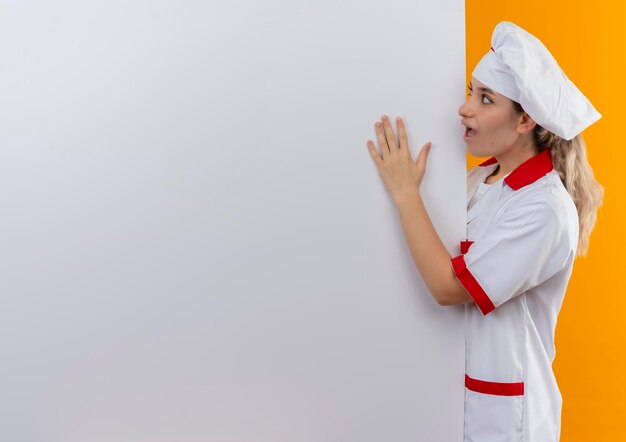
(382, 141)
(372, 149)
(404, 140)
(391, 138)
(423, 156)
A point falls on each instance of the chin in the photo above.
(473, 151)
(478, 153)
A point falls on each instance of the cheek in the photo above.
(500, 139)
(500, 128)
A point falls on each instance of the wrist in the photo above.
(409, 197)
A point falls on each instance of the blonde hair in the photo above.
(570, 161)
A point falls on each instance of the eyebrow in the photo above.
(484, 89)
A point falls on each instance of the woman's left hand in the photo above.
(402, 176)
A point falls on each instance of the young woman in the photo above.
(531, 208)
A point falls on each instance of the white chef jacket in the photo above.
(516, 262)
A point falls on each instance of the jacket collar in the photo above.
(528, 172)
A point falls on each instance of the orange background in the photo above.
(587, 40)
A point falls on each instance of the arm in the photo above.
(402, 177)
(431, 258)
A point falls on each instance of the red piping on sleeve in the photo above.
(465, 245)
(471, 285)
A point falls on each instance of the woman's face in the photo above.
(493, 119)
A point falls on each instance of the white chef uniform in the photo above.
(522, 237)
(515, 263)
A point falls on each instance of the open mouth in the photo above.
(469, 132)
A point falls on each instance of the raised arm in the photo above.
(430, 256)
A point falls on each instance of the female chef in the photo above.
(531, 208)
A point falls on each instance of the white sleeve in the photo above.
(527, 245)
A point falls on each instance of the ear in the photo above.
(526, 124)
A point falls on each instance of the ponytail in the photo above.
(570, 161)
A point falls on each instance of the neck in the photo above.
(510, 160)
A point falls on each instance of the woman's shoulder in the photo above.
(553, 191)
(547, 196)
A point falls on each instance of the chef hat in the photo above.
(520, 67)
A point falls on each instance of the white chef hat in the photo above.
(520, 67)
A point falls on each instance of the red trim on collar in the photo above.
(528, 172)
(489, 161)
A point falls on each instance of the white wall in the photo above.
(195, 244)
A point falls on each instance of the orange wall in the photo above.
(588, 42)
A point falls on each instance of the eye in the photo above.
(484, 96)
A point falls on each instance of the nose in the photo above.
(465, 109)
